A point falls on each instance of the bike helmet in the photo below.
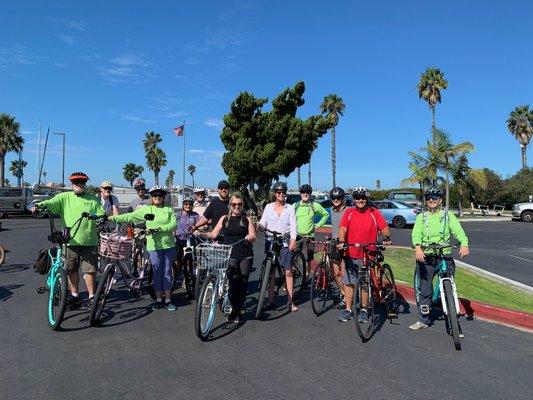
(157, 189)
(139, 184)
(78, 176)
(360, 191)
(306, 188)
(279, 186)
(187, 200)
(434, 191)
(337, 193)
(199, 189)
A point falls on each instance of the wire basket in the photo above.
(213, 256)
(116, 246)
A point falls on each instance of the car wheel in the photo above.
(399, 222)
(527, 216)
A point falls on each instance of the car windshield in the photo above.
(408, 205)
(405, 196)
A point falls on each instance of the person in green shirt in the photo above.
(433, 226)
(160, 244)
(81, 249)
(306, 210)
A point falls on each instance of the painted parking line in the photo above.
(520, 258)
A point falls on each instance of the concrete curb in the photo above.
(486, 312)
(482, 219)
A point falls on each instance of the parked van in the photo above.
(15, 200)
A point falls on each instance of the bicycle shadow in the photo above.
(9, 269)
(6, 292)
(226, 328)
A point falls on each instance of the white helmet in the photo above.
(199, 189)
(157, 188)
(360, 191)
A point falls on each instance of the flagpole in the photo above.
(183, 177)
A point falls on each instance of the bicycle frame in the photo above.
(57, 263)
(438, 290)
(371, 265)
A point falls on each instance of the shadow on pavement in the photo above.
(8, 269)
(6, 292)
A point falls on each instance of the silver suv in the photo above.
(524, 211)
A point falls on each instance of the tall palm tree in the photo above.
(130, 171)
(465, 178)
(151, 140)
(156, 160)
(431, 82)
(17, 169)
(520, 124)
(169, 182)
(192, 170)
(420, 173)
(140, 170)
(10, 140)
(332, 107)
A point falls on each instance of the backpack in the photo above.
(43, 263)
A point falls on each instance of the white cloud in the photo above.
(61, 64)
(137, 118)
(69, 23)
(217, 153)
(18, 54)
(127, 67)
(214, 123)
(68, 39)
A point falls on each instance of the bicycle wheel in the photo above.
(206, 307)
(416, 286)
(137, 263)
(319, 291)
(100, 297)
(188, 277)
(299, 272)
(388, 290)
(57, 299)
(365, 328)
(452, 313)
(263, 290)
(2, 256)
(199, 281)
(150, 280)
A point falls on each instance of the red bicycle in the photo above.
(323, 294)
(375, 286)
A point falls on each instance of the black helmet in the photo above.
(305, 188)
(434, 191)
(360, 191)
(337, 193)
(279, 186)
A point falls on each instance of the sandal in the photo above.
(293, 308)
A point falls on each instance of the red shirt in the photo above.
(361, 227)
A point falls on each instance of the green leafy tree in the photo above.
(262, 146)
(17, 169)
(465, 178)
(130, 172)
(155, 157)
(429, 86)
(10, 140)
(332, 107)
(520, 124)
(192, 170)
(169, 182)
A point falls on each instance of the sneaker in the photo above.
(418, 325)
(156, 305)
(73, 302)
(363, 316)
(170, 306)
(341, 303)
(345, 315)
(233, 318)
(90, 302)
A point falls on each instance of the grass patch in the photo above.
(470, 286)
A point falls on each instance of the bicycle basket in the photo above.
(213, 256)
(116, 246)
(43, 263)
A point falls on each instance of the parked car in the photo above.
(405, 197)
(399, 214)
(15, 200)
(523, 211)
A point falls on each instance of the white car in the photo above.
(524, 211)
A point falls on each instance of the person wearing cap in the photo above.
(218, 207)
(160, 243)
(200, 202)
(108, 200)
(142, 198)
(81, 249)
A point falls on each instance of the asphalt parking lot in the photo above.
(140, 354)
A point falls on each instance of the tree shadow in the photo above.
(6, 292)
(9, 269)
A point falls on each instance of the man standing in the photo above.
(81, 250)
(142, 198)
(200, 201)
(217, 208)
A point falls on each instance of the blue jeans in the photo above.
(162, 262)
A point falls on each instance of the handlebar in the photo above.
(439, 246)
(379, 246)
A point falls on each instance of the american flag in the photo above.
(178, 130)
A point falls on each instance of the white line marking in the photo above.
(520, 258)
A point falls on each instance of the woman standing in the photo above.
(160, 244)
(239, 229)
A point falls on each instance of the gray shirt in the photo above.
(336, 217)
(136, 203)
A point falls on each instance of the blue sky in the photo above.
(107, 72)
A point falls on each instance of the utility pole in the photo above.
(63, 173)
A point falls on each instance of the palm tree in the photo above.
(420, 173)
(17, 169)
(169, 182)
(130, 171)
(151, 141)
(431, 82)
(465, 178)
(140, 170)
(332, 107)
(156, 160)
(192, 170)
(520, 124)
(10, 140)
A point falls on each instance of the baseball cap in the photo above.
(223, 184)
(106, 184)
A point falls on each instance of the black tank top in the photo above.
(235, 232)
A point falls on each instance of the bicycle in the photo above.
(188, 265)
(375, 283)
(321, 287)
(271, 264)
(444, 289)
(116, 250)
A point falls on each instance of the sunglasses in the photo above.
(336, 198)
(223, 188)
(141, 189)
(280, 192)
(305, 192)
(360, 198)
(236, 204)
(159, 195)
(78, 182)
(187, 204)
(107, 188)
(432, 198)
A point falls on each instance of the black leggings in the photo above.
(238, 272)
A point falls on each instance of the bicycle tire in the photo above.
(199, 282)
(2, 256)
(206, 308)
(150, 281)
(137, 262)
(388, 287)
(365, 330)
(188, 277)
(416, 286)
(57, 299)
(452, 313)
(100, 297)
(299, 273)
(265, 281)
(319, 288)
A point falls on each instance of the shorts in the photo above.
(84, 256)
(301, 242)
(285, 256)
(350, 275)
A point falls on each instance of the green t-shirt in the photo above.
(435, 228)
(164, 218)
(69, 206)
(305, 217)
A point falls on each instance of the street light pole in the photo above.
(63, 174)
